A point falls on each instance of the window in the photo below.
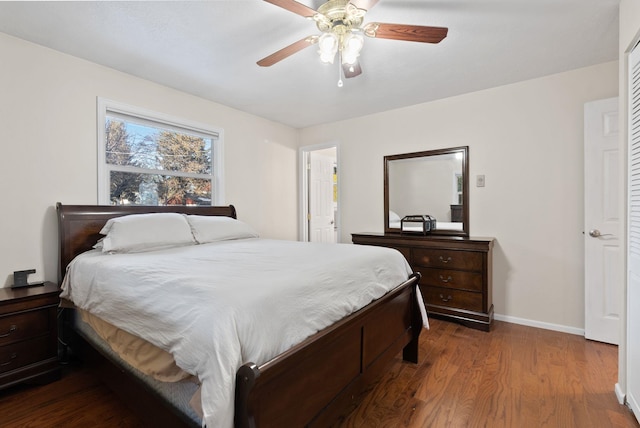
(146, 158)
(458, 184)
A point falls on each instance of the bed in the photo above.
(313, 383)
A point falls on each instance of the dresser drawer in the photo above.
(448, 259)
(24, 325)
(26, 352)
(440, 296)
(448, 278)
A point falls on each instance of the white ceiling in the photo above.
(210, 49)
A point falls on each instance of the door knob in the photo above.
(595, 233)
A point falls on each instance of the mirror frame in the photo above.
(464, 150)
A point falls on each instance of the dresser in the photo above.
(29, 334)
(456, 281)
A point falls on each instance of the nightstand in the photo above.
(29, 334)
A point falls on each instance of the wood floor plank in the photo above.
(513, 376)
(78, 400)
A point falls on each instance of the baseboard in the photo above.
(620, 393)
(633, 405)
(539, 324)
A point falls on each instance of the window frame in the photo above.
(141, 115)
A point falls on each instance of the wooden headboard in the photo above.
(79, 225)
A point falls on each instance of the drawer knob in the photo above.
(11, 358)
(443, 260)
(445, 299)
(447, 279)
(11, 330)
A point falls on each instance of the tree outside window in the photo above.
(152, 163)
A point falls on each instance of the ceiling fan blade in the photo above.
(352, 70)
(411, 33)
(287, 51)
(364, 4)
(294, 6)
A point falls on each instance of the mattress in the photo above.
(216, 306)
(179, 394)
(144, 356)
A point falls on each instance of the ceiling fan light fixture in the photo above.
(351, 46)
(328, 46)
(342, 31)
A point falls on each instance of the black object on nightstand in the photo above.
(20, 279)
(29, 334)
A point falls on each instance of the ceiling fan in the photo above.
(341, 25)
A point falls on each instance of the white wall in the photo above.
(527, 139)
(48, 139)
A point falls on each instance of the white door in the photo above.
(321, 205)
(602, 222)
(633, 237)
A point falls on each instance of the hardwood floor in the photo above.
(514, 376)
(77, 400)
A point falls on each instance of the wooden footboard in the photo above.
(323, 378)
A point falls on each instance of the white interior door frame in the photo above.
(303, 187)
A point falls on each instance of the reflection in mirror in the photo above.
(431, 183)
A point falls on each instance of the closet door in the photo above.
(633, 261)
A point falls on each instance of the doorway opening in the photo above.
(319, 194)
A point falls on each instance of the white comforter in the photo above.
(217, 306)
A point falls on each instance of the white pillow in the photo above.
(217, 228)
(144, 232)
(393, 217)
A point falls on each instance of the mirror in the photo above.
(434, 182)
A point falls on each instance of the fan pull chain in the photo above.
(340, 83)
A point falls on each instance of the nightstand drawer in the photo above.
(24, 353)
(466, 260)
(24, 325)
(439, 296)
(457, 279)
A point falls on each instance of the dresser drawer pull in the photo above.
(11, 358)
(11, 330)
(447, 260)
(445, 280)
(445, 299)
